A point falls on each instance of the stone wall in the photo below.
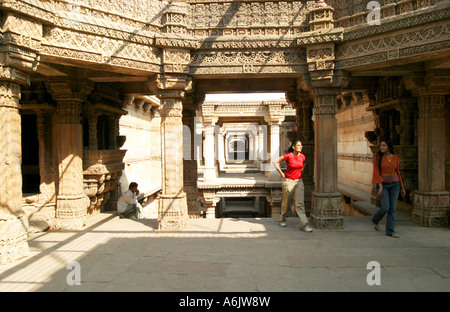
(354, 155)
(141, 126)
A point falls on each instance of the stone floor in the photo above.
(232, 255)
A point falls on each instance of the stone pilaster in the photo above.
(326, 200)
(431, 205)
(71, 203)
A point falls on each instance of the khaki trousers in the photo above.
(293, 190)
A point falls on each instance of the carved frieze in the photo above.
(67, 43)
(241, 61)
(23, 32)
(176, 60)
(218, 18)
(350, 13)
(415, 41)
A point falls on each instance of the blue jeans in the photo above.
(388, 202)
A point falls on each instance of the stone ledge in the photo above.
(353, 193)
(364, 207)
(360, 200)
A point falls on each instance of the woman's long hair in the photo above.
(380, 154)
(291, 149)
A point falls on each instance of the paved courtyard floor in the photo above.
(232, 255)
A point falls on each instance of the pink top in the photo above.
(390, 170)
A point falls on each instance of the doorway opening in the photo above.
(31, 178)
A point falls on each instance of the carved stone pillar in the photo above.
(262, 148)
(170, 88)
(326, 200)
(274, 120)
(274, 149)
(13, 232)
(18, 54)
(71, 203)
(209, 172)
(173, 212)
(431, 200)
(11, 150)
(46, 168)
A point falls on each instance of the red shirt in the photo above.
(294, 165)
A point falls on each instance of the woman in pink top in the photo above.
(292, 185)
(389, 183)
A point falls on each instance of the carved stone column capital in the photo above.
(69, 95)
(276, 116)
(325, 101)
(66, 88)
(170, 81)
(9, 94)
